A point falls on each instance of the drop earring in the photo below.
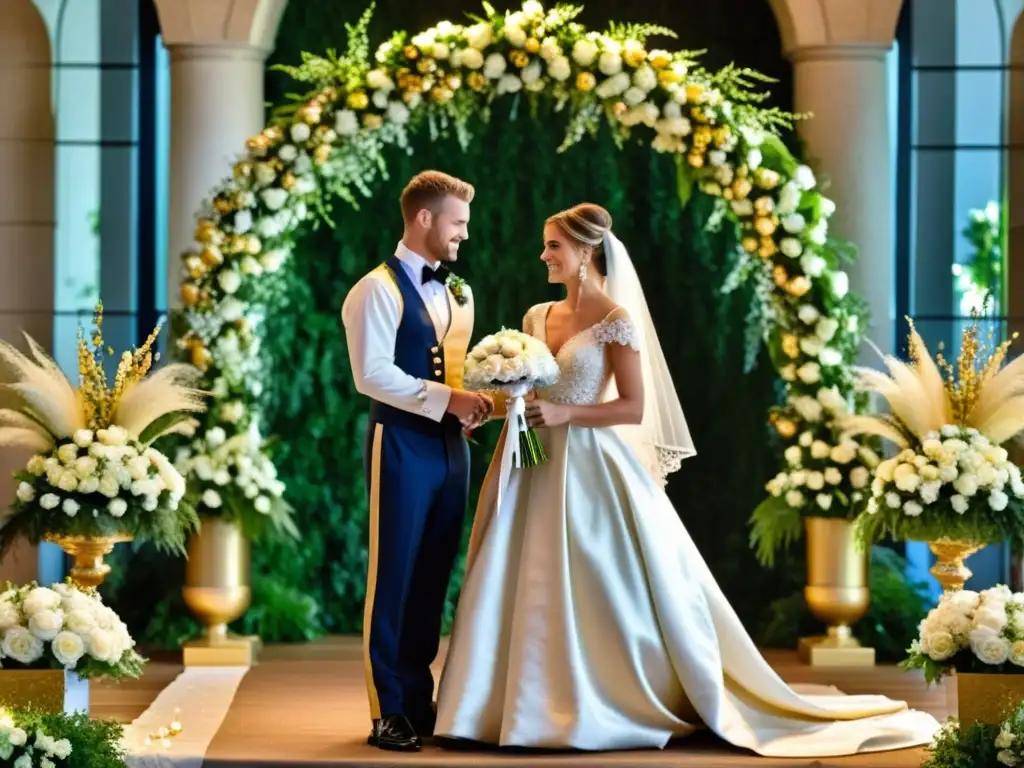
(583, 272)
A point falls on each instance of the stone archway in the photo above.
(27, 156)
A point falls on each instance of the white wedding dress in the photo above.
(589, 620)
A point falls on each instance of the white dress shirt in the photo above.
(371, 314)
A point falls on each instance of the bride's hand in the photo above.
(541, 413)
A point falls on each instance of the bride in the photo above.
(588, 618)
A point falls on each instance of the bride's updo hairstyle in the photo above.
(586, 224)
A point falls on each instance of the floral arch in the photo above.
(329, 143)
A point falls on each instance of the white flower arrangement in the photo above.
(64, 627)
(95, 472)
(979, 632)
(514, 363)
(235, 479)
(930, 489)
(952, 479)
(826, 475)
(510, 360)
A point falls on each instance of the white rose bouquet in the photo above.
(95, 472)
(514, 363)
(952, 480)
(825, 475)
(235, 479)
(971, 632)
(64, 627)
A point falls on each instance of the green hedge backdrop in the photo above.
(318, 584)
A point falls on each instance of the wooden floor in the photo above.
(305, 705)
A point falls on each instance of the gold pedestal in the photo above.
(949, 569)
(839, 648)
(88, 570)
(217, 592)
(837, 594)
(227, 651)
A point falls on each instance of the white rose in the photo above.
(46, 624)
(104, 647)
(966, 484)
(41, 599)
(22, 646)
(117, 507)
(274, 198)
(80, 620)
(809, 373)
(824, 500)
(959, 504)
(810, 346)
(794, 223)
(754, 159)
(795, 499)
(67, 453)
(820, 449)
(262, 505)
(584, 52)
(789, 199)
(211, 499)
(494, 66)
(82, 438)
(9, 616)
(989, 647)
(560, 68)
(828, 207)
(815, 481)
(515, 35)
(793, 455)
(509, 84)
(790, 247)
(70, 507)
(833, 476)
(859, 477)
(478, 36)
(49, 501)
(803, 177)
(813, 264)
(229, 280)
(892, 500)
(840, 283)
(532, 73)
(808, 314)
(998, 500)
(912, 509)
(610, 63)
(26, 492)
(941, 646)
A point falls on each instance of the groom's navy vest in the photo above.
(418, 353)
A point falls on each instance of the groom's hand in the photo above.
(469, 407)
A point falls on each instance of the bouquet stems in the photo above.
(531, 449)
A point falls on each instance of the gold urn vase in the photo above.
(88, 569)
(949, 569)
(837, 593)
(217, 591)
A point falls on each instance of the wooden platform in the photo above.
(305, 705)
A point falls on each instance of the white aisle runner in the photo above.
(199, 698)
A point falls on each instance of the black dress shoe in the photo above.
(394, 733)
(423, 721)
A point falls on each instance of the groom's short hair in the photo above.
(429, 189)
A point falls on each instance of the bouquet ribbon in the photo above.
(512, 453)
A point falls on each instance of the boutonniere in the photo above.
(459, 289)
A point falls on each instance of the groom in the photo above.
(408, 325)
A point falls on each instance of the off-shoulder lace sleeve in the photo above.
(618, 328)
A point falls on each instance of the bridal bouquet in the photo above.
(971, 632)
(952, 480)
(514, 363)
(63, 627)
(94, 472)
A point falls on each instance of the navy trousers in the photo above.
(418, 484)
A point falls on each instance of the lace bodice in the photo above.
(583, 365)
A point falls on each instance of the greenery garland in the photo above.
(35, 739)
(330, 143)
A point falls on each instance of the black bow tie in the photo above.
(440, 274)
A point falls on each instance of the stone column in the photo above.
(27, 149)
(217, 50)
(838, 49)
